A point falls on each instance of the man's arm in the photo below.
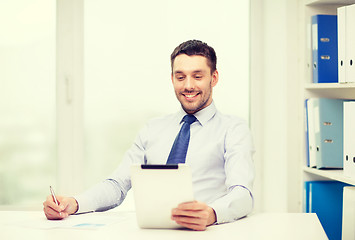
(239, 170)
(104, 195)
(197, 215)
(236, 204)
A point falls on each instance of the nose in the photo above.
(189, 84)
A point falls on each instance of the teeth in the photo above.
(190, 96)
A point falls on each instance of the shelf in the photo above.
(329, 2)
(330, 90)
(308, 89)
(330, 174)
(320, 86)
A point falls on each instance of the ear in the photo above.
(215, 78)
(172, 78)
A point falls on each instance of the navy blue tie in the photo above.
(181, 143)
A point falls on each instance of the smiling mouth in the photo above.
(190, 96)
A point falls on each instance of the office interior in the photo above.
(80, 78)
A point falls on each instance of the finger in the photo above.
(192, 214)
(188, 220)
(192, 226)
(192, 206)
(52, 214)
(50, 211)
(63, 203)
(50, 203)
(55, 215)
(52, 208)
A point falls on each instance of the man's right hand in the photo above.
(67, 206)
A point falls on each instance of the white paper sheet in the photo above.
(82, 221)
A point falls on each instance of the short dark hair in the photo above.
(196, 47)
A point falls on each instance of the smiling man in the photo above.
(219, 151)
(193, 82)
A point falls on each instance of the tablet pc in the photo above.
(157, 189)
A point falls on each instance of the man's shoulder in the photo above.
(229, 119)
(234, 127)
(162, 120)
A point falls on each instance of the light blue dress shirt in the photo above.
(219, 154)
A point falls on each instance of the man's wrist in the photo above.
(212, 217)
(75, 205)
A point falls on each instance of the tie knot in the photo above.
(189, 118)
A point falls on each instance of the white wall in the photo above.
(275, 153)
(274, 87)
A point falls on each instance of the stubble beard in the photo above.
(195, 106)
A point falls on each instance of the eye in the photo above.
(198, 77)
(180, 78)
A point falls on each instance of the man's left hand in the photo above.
(194, 215)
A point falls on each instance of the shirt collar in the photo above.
(203, 116)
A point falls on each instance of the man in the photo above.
(219, 151)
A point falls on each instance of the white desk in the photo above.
(258, 226)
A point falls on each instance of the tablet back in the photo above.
(157, 190)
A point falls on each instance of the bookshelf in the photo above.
(336, 175)
(325, 2)
(330, 90)
(321, 90)
(332, 86)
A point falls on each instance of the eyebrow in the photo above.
(181, 72)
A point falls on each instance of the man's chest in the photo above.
(206, 148)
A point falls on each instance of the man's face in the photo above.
(193, 82)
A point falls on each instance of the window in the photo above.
(27, 101)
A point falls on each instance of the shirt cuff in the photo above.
(236, 204)
(84, 205)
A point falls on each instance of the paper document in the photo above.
(82, 221)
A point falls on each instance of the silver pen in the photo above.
(53, 195)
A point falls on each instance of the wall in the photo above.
(274, 96)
